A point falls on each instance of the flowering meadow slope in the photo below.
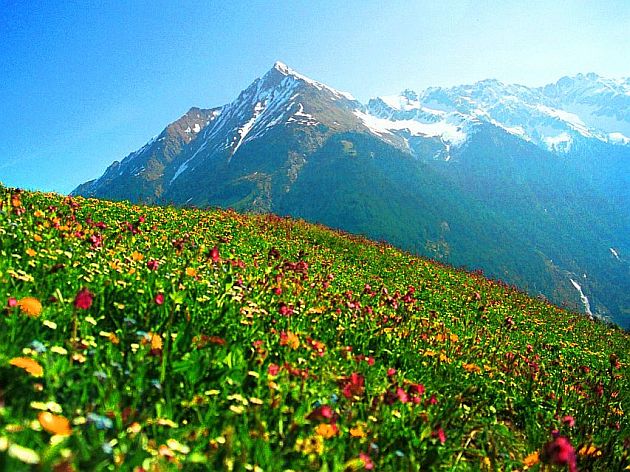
(145, 338)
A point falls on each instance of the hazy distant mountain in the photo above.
(529, 184)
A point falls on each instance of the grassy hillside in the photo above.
(140, 338)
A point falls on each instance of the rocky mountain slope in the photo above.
(529, 184)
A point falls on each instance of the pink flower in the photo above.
(560, 452)
(367, 461)
(391, 371)
(440, 434)
(159, 299)
(83, 299)
(12, 302)
(569, 421)
(273, 369)
(402, 395)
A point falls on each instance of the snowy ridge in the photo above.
(286, 70)
(552, 117)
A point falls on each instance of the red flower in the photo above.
(322, 413)
(152, 264)
(353, 385)
(440, 434)
(273, 369)
(159, 299)
(391, 371)
(12, 302)
(83, 299)
(569, 421)
(417, 389)
(214, 254)
(560, 452)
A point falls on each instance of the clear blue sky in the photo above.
(83, 83)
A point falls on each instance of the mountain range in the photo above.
(530, 185)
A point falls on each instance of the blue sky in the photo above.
(83, 83)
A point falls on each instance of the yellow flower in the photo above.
(191, 272)
(31, 252)
(30, 306)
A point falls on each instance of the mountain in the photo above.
(504, 178)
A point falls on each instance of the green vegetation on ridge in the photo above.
(148, 338)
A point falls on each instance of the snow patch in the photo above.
(451, 133)
(576, 123)
(561, 143)
(618, 138)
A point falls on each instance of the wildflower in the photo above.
(273, 369)
(191, 272)
(440, 434)
(284, 309)
(402, 395)
(12, 302)
(54, 424)
(311, 445)
(152, 264)
(289, 339)
(560, 452)
(83, 300)
(353, 385)
(531, 460)
(29, 365)
(100, 375)
(321, 413)
(101, 422)
(214, 254)
(358, 431)
(37, 346)
(23, 454)
(569, 421)
(391, 371)
(30, 306)
(326, 430)
(590, 450)
(367, 461)
(159, 299)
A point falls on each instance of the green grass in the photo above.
(289, 347)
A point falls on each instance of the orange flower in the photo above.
(54, 424)
(289, 339)
(29, 365)
(358, 432)
(471, 368)
(191, 272)
(326, 431)
(156, 342)
(30, 306)
(531, 460)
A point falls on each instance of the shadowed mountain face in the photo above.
(530, 185)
